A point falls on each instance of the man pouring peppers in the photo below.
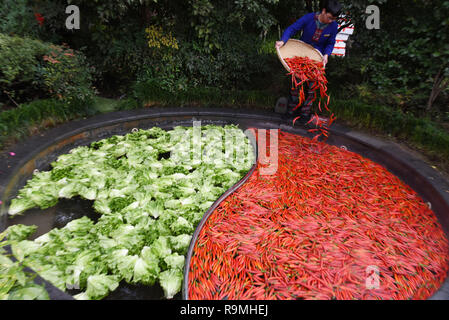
(319, 29)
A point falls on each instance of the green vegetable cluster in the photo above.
(151, 187)
(15, 283)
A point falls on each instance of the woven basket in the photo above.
(297, 48)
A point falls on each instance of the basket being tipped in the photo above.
(297, 48)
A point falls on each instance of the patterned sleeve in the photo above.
(297, 26)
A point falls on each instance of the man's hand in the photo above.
(279, 44)
(325, 59)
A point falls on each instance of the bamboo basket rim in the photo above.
(297, 48)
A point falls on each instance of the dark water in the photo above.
(70, 209)
(126, 291)
(55, 217)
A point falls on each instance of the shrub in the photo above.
(32, 69)
(18, 70)
(66, 76)
(17, 17)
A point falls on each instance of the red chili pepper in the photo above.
(305, 70)
(311, 230)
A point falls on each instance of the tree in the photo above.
(411, 49)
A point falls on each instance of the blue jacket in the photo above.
(307, 23)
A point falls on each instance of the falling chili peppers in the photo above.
(303, 70)
(313, 230)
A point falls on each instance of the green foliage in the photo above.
(20, 60)
(163, 61)
(419, 131)
(408, 52)
(151, 92)
(17, 18)
(234, 66)
(15, 122)
(33, 69)
(112, 9)
(258, 12)
(113, 37)
(209, 17)
(343, 71)
(204, 23)
(67, 76)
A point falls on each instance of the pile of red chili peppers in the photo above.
(304, 70)
(315, 228)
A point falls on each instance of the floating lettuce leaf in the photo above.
(161, 248)
(129, 237)
(180, 243)
(175, 261)
(151, 260)
(20, 232)
(19, 205)
(181, 226)
(98, 286)
(23, 248)
(29, 292)
(80, 226)
(146, 273)
(170, 281)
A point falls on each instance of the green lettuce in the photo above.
(99, 285)
(170, 281)
(19, 232)
(151, 189)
